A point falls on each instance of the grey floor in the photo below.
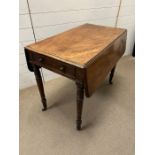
(108, 118)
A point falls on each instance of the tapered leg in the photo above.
(40, 86)
(111, 75)
(80, 97)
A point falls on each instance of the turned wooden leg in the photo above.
(80, 97)
(111, 75)
(40, 86)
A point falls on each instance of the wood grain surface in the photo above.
(97, 71)
(78, 46)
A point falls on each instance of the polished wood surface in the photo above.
(79, 102)
(86, 54)
(53, 65)
(112, 74)
(78, 46)
(40, 86)
(97, 71)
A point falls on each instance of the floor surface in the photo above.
(108, 118)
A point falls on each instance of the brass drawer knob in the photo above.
(62, 68)
(41, 59)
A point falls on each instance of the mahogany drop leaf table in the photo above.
(85, 54)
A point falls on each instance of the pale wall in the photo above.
(51, 17)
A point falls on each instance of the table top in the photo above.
(78, 46)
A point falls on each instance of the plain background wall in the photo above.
(50, 17)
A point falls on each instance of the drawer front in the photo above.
(53, 65)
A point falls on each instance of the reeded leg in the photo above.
(40, 86)
(80, 97)
(111, 75)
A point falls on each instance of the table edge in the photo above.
(85, 65)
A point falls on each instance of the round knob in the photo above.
(62, 68)
(41, 59)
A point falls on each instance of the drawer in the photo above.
(53, 65)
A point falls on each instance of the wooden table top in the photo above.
(78, 46)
